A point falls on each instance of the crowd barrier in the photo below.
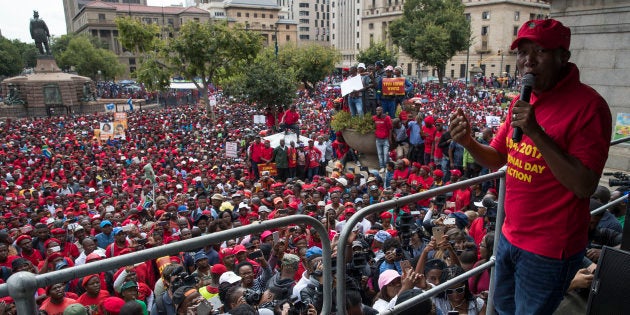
(22, 285)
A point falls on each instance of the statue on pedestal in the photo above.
(40, 33)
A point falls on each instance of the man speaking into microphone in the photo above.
(551, 171)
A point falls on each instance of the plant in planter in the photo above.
(358, 133)
(342, 120)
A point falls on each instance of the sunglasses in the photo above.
(459, 290)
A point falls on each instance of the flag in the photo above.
(46, 152)
(130, 103)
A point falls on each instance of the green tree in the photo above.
(201, 52)
(28, 52)
(311, 63)
(432, 31)
(211, 51)
(11, 62)
(266, 82)
(378, 51)
(87, 60)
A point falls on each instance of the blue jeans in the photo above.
(389, 107)
(527, 283)
(382, 149)
(356, 106)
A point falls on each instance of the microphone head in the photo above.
(528, 79)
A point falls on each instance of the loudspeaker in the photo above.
(610, 290)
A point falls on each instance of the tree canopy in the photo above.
(88, 60)
(312, 63)
(432, 31)
(378, 51)
(201, 52)
(266, 83)
(11, 62)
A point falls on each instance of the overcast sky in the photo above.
(15, 16)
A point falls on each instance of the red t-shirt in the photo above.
(292, 155)
(91, 302)
(437, 152)
(56, 309)
(429, 139)
(34, 257)
(401, 174)
(383, 126)
(291, 117)
(314, 155)
(541, 215)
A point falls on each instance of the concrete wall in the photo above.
(600, 45)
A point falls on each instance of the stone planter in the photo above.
(365, 144)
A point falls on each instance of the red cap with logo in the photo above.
(549, 34)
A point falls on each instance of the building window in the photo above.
(358, 35)
(484, 30)
(515, 31)
(288, 38)
(263, 16)
(247, 14)
(371, 38)
(238, 14)
(304, 5)
(271, 16)
(287, 27)
(303, 13)
(219, 13)
(196, 19)
(256, 15)
(171, 22)
(305, 21)
(101, 17)
(485, 15)
(517, 15)
(132, 61)
(371, 26)
(304, 37)
(532, 16)
(304, 29)
(467, 15)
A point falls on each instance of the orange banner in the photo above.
(393, 86)
(271, 168)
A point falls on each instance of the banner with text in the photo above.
(393, 86)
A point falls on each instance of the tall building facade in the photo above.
(72, 7)
(493, 24)
(313, 18)
(345, 29)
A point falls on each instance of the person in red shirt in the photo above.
(254, 152)
(290, 120)
(67, 249)
(56, 302)
(5, 258)
(313, 155)
(25, 244)
(93, 295)
(428, 134)
(292, 157)
(383, 133)
(266, 152)
(552, 170)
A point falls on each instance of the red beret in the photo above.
(113, 304)
(58, 231)
(218, 269)
(50, 240)
(87, 278)
(426, 169)
(23, 237)
(416, 165)
(350, 176)
(456, 172)
(386, 215)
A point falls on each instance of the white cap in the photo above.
(243, 205)
(361, 65)
(229, 277)
(342, 181)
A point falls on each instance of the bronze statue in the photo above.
(40, 33)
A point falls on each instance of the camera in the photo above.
(440, 200)
(620, 179)
(252, 297)
(298, 308)
(184, 279)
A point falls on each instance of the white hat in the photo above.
(361, 65)
(229, 277)
(263, 209)
(342, 181)
(478, 204)
(244, 205)
(91, 190)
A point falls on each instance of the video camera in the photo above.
(620, 179)
(440, 200)
(405, 226)
(252, 297)
(491, 212)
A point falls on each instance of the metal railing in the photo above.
(22, 285)
(399, 202)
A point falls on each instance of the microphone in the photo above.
(526, 92)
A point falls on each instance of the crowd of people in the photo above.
(68, 199)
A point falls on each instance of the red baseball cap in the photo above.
(549, 34)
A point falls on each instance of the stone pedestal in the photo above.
(46, 64)
(365, 144)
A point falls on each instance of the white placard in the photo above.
(231, 149)
(260, 119)
(493, 121)
(353, 84)
(213, 100)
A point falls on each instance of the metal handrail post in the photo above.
(497, 236)
(438, 288)
(22, 288)
(395, 203)
(610, 204)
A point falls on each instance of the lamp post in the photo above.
(275, 28)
